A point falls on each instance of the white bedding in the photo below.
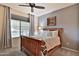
(52, 42)
(51, 38)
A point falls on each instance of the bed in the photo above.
(38, 46)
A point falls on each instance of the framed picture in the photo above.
(51, 21)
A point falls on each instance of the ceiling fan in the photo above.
(32, 5)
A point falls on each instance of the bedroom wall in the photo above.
(67, 18)
(16, 12)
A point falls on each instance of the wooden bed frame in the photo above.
(35, 47)
(31, 46)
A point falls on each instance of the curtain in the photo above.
(31, 32)
(5, 29)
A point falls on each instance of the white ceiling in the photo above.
(49, 7)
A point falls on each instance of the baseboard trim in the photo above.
(70, 49)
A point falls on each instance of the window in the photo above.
(24, 28)
(15, 28)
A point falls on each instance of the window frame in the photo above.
(19, 18)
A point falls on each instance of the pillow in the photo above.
(43, 33)
(54, 34)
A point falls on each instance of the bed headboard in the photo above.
(60, 30)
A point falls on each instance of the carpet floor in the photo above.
(15, 51)
(63, 52)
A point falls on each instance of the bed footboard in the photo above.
(31, 46)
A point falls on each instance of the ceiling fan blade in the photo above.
(25, 5)
(40, 7)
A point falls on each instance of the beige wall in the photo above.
(16, 12)
(67, 18)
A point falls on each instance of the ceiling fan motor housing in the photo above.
(32, 4)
